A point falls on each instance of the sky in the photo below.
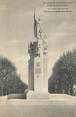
(16, 32)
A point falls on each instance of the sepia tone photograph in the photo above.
(37, 58)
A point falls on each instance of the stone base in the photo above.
(34, 95)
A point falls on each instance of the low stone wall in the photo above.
(16, 96)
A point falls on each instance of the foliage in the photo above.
(64, 74)
(10, 82)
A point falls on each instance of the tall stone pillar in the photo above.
(38, 50)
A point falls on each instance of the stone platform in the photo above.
(58, 105)
(34, 95)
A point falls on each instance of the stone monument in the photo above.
(37, 64)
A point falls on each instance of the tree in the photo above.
(10, 81)
(64, 74)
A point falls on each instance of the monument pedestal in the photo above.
(35, 95)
